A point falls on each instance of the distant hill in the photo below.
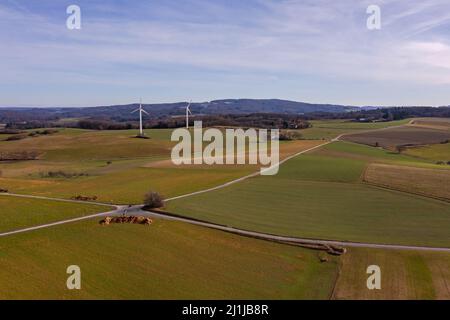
(237, 112)
(123, 112)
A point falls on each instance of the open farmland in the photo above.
(167, 260)
(404, 275)
(401, 136)
(428, 182)
(153, 151)
(432, 123)
(313, 204)
(76, 145)
(318, 195)
(350, 150)
(329, 129)
(120, 169)
(128, 186)
(138, 262)
(435, 152)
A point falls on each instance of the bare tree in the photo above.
(153, 200)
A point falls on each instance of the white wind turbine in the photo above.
(141, 132)
(188, 111)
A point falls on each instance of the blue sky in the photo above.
(167, 50)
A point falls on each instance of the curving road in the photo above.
(137, 211)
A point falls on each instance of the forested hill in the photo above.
(123, 112)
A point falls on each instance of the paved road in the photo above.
(137, 210)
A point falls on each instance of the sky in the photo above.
(318, 51)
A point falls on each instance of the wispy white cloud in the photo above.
(126, 45)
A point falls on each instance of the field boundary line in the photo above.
(410, 193)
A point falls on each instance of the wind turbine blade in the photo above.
(187, 107)
(145, 112)
(135, 110)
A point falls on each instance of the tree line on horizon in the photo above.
(14, 120)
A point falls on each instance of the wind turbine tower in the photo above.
(141, 110)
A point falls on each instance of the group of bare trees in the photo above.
(18, 155)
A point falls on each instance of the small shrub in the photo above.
(290, 135)
(16, 137)
(48, 131)
(62, 174)
(18, 155)
(399, 149)
(153, 200)
(42, 132)
(11, 131)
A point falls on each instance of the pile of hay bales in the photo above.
(129, 219)
(84, 198)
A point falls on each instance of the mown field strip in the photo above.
(257, 173)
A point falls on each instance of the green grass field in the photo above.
(166, 260)
(77, 145)
(328, 129)
(435, 152)
(118, 169)
(368, 154)
(18, 213)
(128, 186)
(321, 197)
(323, 210)
(353, 150)
(314, 167)
(422, 181)
(404, 275)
